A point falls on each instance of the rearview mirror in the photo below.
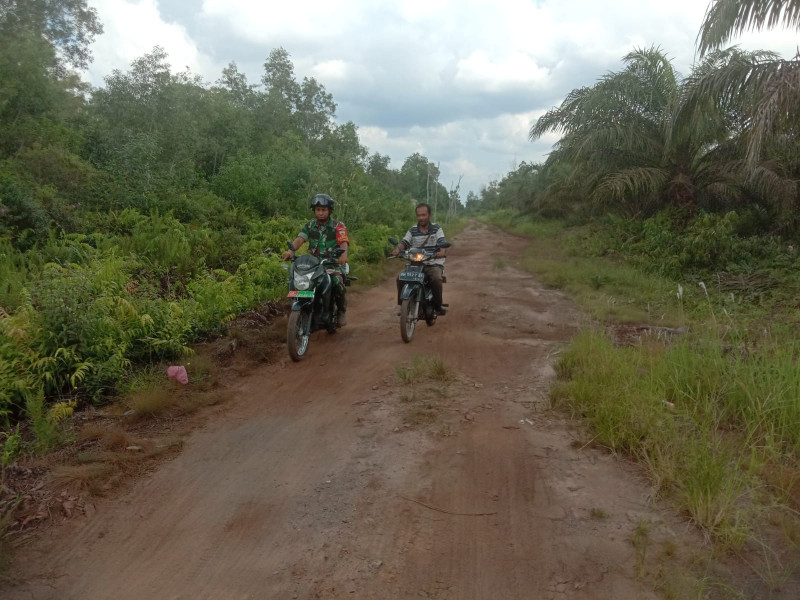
(393, 241)
(445, 245)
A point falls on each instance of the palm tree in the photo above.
(726, 18)
(630, 139)
(771, 84)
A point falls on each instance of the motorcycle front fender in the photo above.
(304, 304)
(411, 290)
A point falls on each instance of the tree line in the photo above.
(134, 216)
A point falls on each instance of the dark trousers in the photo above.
(433, 273)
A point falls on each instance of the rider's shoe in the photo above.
(341, 319)
(441, 311)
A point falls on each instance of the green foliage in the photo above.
(628, 397)
(135, 218)
(245, 181)
(370, 244)
(12, 444)
(47, 433)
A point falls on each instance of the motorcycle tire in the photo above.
(409, 310)
(296, 340)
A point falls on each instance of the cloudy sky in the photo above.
(460, 81)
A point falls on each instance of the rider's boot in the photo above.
(341, 313)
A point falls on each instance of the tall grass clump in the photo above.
(666, 408)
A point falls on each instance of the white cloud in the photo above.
(516, 69)
(263, 21)
(132, 29)
(331, 70)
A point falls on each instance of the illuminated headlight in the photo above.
(302, 282)
(416, 257)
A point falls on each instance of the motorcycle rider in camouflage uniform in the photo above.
(324, 234)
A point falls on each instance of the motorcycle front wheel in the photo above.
(296, 338)
(408, 318)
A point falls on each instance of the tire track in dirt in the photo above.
(314, 488)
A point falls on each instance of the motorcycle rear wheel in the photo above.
(408, 318)
(296, 339)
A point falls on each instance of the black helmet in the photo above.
(322, 200)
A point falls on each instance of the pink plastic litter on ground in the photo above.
(178, 374)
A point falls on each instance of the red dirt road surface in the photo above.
(336, 477)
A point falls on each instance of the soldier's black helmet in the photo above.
(322, 200)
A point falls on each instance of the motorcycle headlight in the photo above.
(416, 256)
(302, 282)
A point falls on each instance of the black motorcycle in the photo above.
(416, 295)
(314, 305)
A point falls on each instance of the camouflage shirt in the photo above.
(322, 238)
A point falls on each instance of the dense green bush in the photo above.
(685, 247)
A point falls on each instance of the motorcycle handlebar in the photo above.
(404, 254)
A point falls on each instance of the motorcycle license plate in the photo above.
(300, 294)
(412, 276)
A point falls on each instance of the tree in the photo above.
(282, 93)
(473, 201)
(419, 176)
(631, 140)
(234, 82)
(68, 26)
(314, 111)
(727, 18)
(771, 84)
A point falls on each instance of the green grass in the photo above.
(598, 514)
(713, 415)
(425, 367)
(706, 423)
(608, 290)
(429, 378)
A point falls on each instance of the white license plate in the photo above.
(412, 276)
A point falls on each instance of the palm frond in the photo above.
(724, 190)
(725, 19)
(780, 192)
(766, 92)
(779, 99)
(636, 182)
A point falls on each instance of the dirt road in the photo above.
(335, 478)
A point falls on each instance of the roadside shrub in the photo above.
(370, 243)
(22, 215)
(13, 275)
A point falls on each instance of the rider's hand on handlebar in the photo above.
(396, 251)
(343, 258)
(287, 255)
(441, 253)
